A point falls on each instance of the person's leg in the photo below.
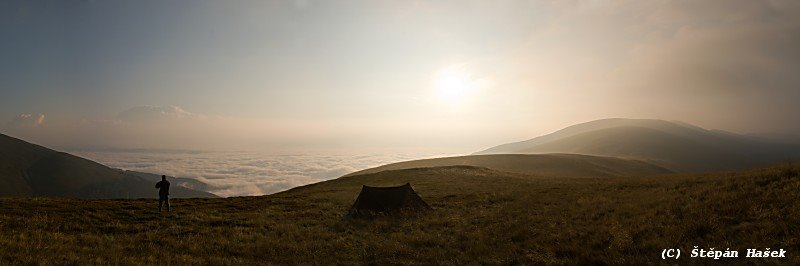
(167, 200)
(160, 203)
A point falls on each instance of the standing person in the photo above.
(163, 192)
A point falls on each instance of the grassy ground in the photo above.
(480, 216)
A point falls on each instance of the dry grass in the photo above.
(480, 217)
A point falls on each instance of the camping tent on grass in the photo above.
(387, 201)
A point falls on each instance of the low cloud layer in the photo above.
(27, 120)
(247, 173)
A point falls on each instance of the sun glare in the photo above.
(453, 86)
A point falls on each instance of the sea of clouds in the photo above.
(248, 173)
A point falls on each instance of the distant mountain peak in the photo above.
(673, 144)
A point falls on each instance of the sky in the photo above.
(450, 76)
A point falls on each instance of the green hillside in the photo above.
(480, 216)
(563, 165)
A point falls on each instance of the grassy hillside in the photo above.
(669, 150)
(31, 170)
(15, 158)
(674, 145)
(480, 216)
(676, 128)
(563, 165)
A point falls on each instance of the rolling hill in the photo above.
(480, 216)
(674, 145)
(554, 165)
(31, 170)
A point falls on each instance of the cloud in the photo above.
(726, 64)
(27, 121)
(719, 47)
(154, 114)
(248, 173)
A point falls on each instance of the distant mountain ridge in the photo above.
(676, 145)
(28, 169)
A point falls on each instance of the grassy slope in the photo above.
(673, 151)
(672, 127)
(15, 159)
(561, 165)
(480, 215)
(33, 170)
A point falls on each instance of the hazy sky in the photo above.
(453, 75)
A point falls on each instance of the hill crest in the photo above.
(675, 145)
(561, 165)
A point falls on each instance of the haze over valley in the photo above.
(249, 173)
(603, 148)
(399, 132)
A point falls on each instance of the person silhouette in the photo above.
(163, 192)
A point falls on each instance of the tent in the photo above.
(387, 201)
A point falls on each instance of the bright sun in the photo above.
(453, 86)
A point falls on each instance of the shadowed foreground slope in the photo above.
(28, 169)
(479, 215)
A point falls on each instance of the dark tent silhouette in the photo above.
(387, 201)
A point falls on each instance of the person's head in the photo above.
(163, 177)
